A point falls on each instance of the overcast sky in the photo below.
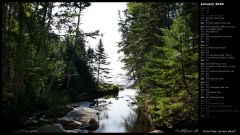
(103, 16)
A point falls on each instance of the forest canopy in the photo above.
(159, 42)
(42, 69)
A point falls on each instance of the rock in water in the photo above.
(133, 103)
(55, 128)
(69, 125)
(156, 131)
(81, 114)
(81, 118)
(38, 114)
(34, 121)
(93, 124)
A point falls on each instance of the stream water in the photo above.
(119, 114)
(122, 114)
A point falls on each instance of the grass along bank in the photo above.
(108, 89)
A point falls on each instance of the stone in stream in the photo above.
(20, 131)
(55, 128)
(27, 122)
(133, 103)
(100, 108)
(69, 125)
(38, 114)
(47, 113)
(30, 121)
(81, 114)
(80, 117)
(34, 121)
(78, 104)
(156, 131)
(43, 119)
(93, 124)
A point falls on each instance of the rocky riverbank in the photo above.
(115, 114)
(73, 118)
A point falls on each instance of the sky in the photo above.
(103, 16)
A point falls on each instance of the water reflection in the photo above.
(123, 115)
(142, 123)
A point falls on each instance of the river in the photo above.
(118, 114)
(122, 114)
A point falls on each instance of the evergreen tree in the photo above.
(90, 60)
(177, 75)
(143, 21)
(38, 65)
(101, 62)
(159, 41)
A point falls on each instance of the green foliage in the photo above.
(90, 60)
(56, 99)
(106, 89)
(40, 69)
(159, 41)
(101, 63)
(143, 21)
(168, 107)
(79, 77)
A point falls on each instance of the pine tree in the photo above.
(175, 74)
(90, 60)
(101, 62)
(159, 41)
(37, 63)
(143, 21)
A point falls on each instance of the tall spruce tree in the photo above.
(90, 60)
(101, 63)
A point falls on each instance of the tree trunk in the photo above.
(183, 71)
(73, 50)
(49, 15)
(98, 71)
(4, 50)
(51, 83)
(19, 60)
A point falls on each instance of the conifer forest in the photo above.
(57, 81)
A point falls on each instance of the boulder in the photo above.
(93, 124)
(30, 121)
(43, 119)
(78, 104)
(100, 108)
(34, 121)
(27, 122)
(156, 131)
(38, 114)
(55, 128)
(133, 103)
(48, 112)
(69, 125)
(80, 114)
(20, 131)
